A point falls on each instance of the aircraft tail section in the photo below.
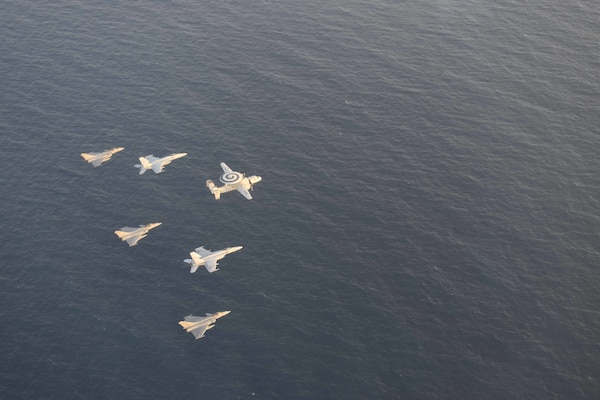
(144, 165)
(213, 189)
(193, 267)
(194, 262)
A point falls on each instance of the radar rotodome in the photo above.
(231, 178)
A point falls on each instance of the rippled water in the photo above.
(426, 227)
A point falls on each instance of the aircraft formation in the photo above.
(231, 180)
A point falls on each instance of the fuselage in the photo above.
(215, 255)
(208, 321)
(97, 158)
(171, 157)
(213, 317)
(106, 155)
(115, 150)
(156, 164)
(143, 229)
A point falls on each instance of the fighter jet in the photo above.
(233, 180)
(133, 235)
(209, 259)
(199, 325)
(96, 159)
(157, 164)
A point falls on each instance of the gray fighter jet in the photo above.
(157, 164)
(233, 180)
(97, 158)
(133, 235)
(201, 256)
(199, 325)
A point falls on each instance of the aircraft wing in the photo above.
(193, 318)
(199, 331)
(202, 251)
(211, 265)
(151, 158)
(244, 192)
(129, 229)
(195, 326)
(125, 231)
(158, 167)
(134, 239)
(93, 158)
(225, 167)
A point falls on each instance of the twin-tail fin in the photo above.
(144, 165)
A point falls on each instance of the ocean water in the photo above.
(426, 228)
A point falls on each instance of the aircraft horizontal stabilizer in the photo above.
(213, 189)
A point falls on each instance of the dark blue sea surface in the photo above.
(427, 226)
